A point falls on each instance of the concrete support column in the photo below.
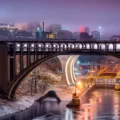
(3, 68)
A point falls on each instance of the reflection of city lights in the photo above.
(69, 114)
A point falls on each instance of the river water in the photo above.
(102, 104)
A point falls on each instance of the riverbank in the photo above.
(10, 107)
(24, 102)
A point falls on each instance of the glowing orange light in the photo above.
(79, 84)
(92, 71)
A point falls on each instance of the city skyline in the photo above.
(71, 14)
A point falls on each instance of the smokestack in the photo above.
(43, 26)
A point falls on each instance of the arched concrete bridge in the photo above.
(37, 52)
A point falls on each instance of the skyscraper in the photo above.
(96, 35)
(64, 34)
(54, 28)
(84, 29)
(33, 27)
(76, 35)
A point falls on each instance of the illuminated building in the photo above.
(54, 28)
(33, 27)
(50, 36)
(84, 29)
(7, 31)
(84, 36)
(47, 35)
(7, 26)
(96, 35)
(21, 35)
(115, 38)
(76, 35)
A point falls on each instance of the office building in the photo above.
(54, 28)
(96, 35)
(84, 36)
(115, 38)
(64, 34)
(84, 29)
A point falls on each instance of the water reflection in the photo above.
(69, 114)
(103, 104)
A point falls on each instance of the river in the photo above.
(102, 104)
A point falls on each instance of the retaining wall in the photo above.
(86, 94)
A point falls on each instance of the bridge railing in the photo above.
(47, 46)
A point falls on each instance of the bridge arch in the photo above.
(15, 83)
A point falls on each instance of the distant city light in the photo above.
(100, 30)
(38, 29)
(100, 27)
(82, 29)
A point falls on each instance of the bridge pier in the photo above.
(4, 77)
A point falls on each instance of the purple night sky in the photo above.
(70, 13)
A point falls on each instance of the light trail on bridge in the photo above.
(69, 70)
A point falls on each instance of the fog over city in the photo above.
(72, 14)
(59, 59)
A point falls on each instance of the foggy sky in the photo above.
(70, 13)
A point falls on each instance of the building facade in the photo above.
(115, 38)
(96, 35)
(64, 34)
